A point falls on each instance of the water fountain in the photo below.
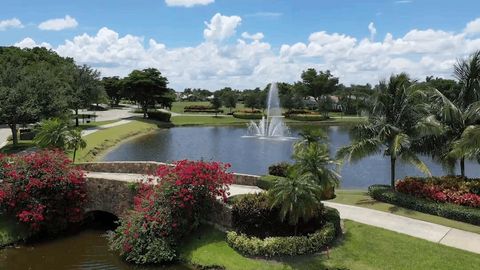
(272, 126)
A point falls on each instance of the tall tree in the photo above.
(85, 89)
(114, 89)
(146, 87)
(230, 100)
(392, 126)
(467, 72)
(216, 103)
(318, 85)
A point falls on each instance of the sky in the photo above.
(248, 43)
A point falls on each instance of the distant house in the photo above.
(336, 106)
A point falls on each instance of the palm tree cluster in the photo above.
(408, 119)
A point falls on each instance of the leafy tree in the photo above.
(392, 126)
(114, 89)
(467, 72)
(449, 88)
(75, 141)
(85, 89)
(166, 100)
(216, 103)
(318, 85)
(251, 101)
(146, 87)
(230, 100)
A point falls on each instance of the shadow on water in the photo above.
(82, 248)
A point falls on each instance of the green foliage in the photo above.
(307, 117)
(282, 246)
(114, 89)
(267, 181)
(216, 103)
(253, 116)
(279, 169)
(457, 212)
(159, 115)
(318, 85)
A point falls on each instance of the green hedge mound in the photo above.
(159, 116)
(253, 116)
(447, 210)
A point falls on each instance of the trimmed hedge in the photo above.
(307, 117)
(279, 169)
(289, 245)
(201, 109)
(267, 181)
(159, 115)
(253, 116)
(457, 212)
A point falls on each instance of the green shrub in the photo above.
(282, 246)
(279, 169)
(252, 116)
(457, 212)
(201, 109)
(159, 116)
(267, 181)
(307, 117)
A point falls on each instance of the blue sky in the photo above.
(282, 23)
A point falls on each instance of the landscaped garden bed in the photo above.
(448, 210)
(248, 115)
(201, 109)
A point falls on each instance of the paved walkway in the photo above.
(89, 131)
(4, 133)
(417, 228)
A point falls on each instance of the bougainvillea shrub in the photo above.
(167, 207)
(442, 189)
(42, 190)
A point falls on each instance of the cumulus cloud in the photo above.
(473, 27)
(10, 23)
(187, 3)
(58, 24)
(372, 30)
(30, 43)
(250, 62)
(257, 36)
(221, 27)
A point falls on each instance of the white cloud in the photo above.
(58, 24)
(187, 3)
(10, 23)
(473, 27)
(257, 36)
(372, 30)
(30, 43)
(248, 63)
(221, 27)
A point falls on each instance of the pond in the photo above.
(253, 156)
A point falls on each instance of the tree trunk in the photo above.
(13, 128)
(145, 108)
(462, 166)
(392, 172)
(76, 118)
(296, 229)
(74, 154)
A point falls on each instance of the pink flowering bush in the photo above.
(42, 190)
(167, 207)
(454, 190)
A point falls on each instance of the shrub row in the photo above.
(300, 111)
(282, 246)
(159, 115)
(247, 115)
(203, 111)
(307, 117)
(279, 169)
(452, 211)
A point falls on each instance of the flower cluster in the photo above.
(42, 190)
(168, 206)
(447, 189)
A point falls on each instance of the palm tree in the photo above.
(297, 197)
(392, 126)
(468, 145)
(467, 72)
(52, 133)
(75, 141)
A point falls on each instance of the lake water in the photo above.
(253, 156)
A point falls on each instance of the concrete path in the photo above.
(417, 228)
(4, 133)
(89, 131)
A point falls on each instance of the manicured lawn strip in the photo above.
(364, 247)
(101, 140)
(96, 124)
(362, 199)
(21, 146)
(179, 106)
(207, 120)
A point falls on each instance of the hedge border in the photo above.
(307, 117)
(252, 116)
(289, 245)
(447, 210)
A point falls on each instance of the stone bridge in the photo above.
(110, 184)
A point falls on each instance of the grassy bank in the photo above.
(364, 247)
(11, 231)
(362, 199)
(102, 140)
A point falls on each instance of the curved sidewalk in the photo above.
(417, 228)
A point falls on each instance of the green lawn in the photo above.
(101, 140)
(178, 106)
(362, 199)
(207, 120)
(364, 248)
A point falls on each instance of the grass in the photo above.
(11, 231)
(21, 146)
(362, 199)
(179, 106)
(96, 124)
(101, 140)
(363, 248)
(207, 120)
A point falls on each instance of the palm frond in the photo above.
(411, 158)
(359, 149)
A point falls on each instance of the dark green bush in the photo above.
(307, 117)
(159, 115)
(457, 212)
(279, 169)
(252, 116)
(267, 181)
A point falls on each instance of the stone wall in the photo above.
(149, 167)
